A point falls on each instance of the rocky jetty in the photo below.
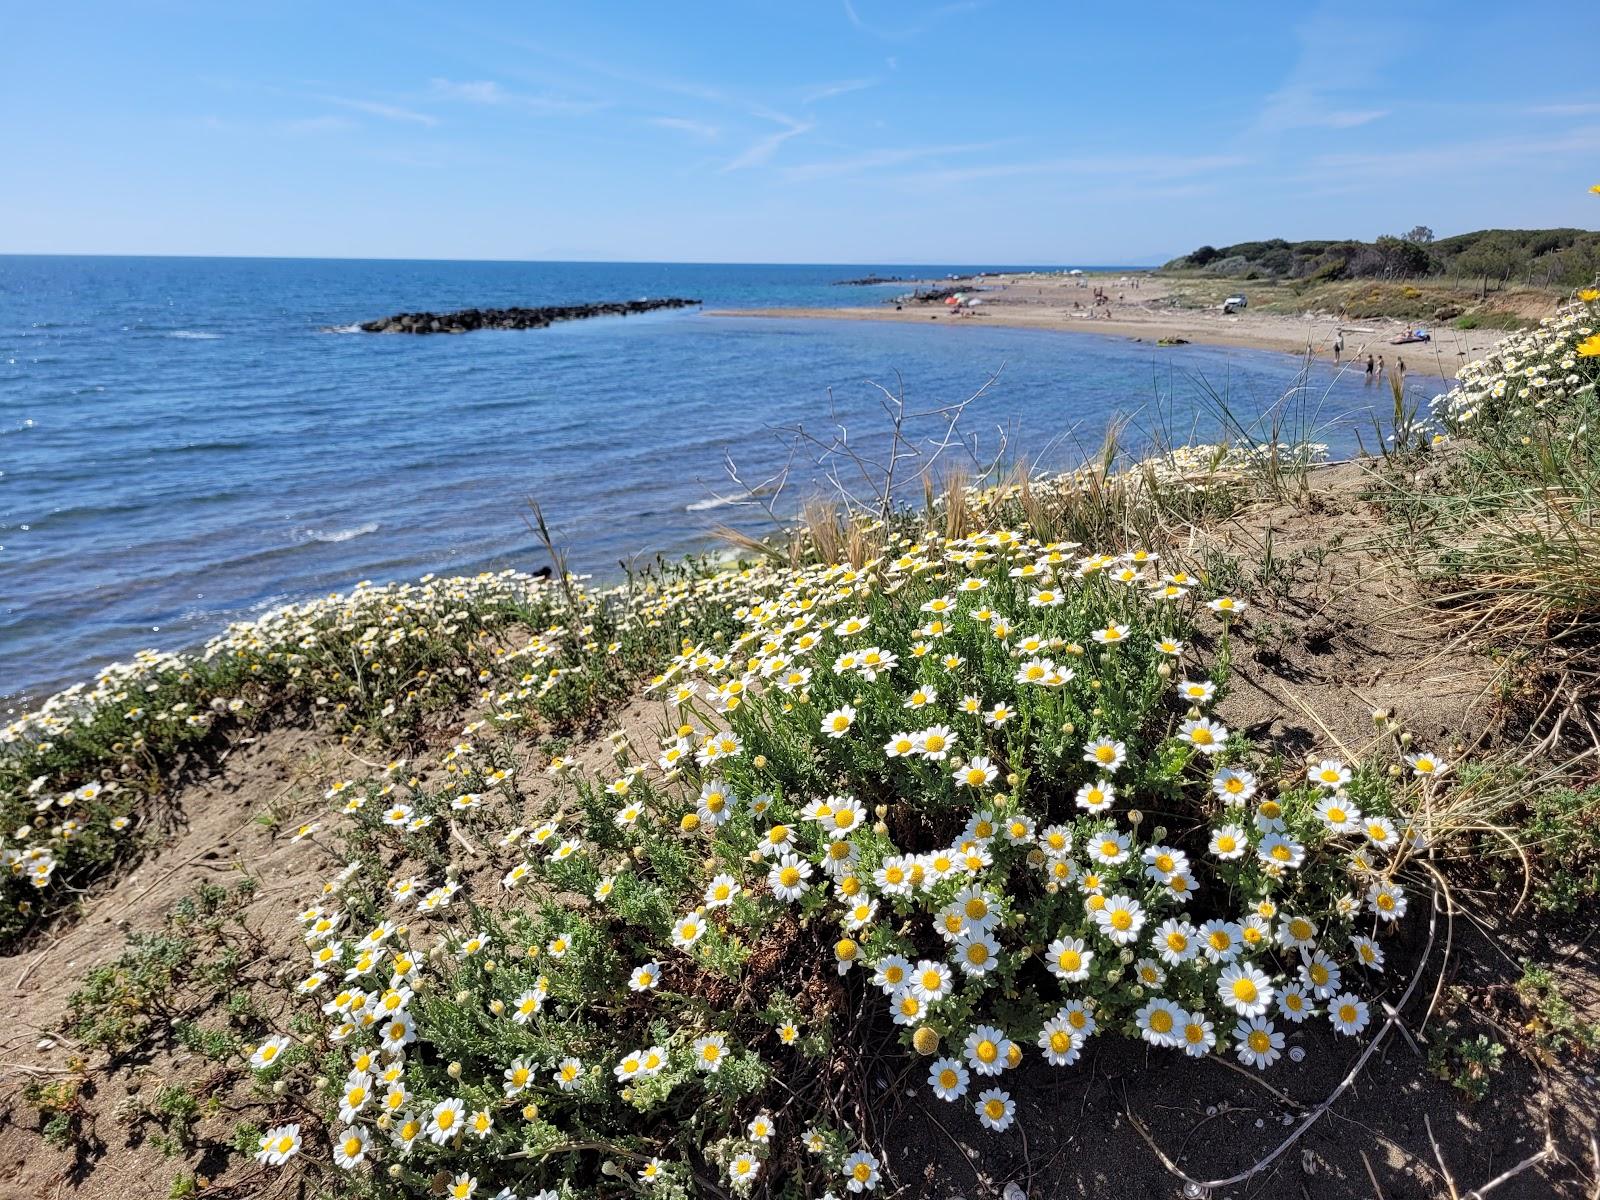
(869, 280)
(469, 319)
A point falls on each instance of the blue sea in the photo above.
(185, 442)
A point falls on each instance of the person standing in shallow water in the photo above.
(1338, 348)
(1380, 368)
(1370, 368)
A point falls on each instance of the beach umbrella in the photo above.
(952, 301)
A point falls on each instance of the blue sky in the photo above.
(825, 131)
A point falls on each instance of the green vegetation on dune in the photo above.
(1561, 258)
(1490, 279)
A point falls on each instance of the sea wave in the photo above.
(340, 535)
(354, 328)
(194, 335)
(714, 502)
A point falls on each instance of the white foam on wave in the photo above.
(342, 329)
(194, 335)
(714, 502)
(341, 535)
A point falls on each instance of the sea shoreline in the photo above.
(1140, 308)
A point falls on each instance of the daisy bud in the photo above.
(880, 829)
(1194, 713)
(533, 952)
(1159, 833)
(490, 966)
(279, 1087)
(395, 1171)
(453, 1070)
(881, 811)
(530, 1112)
(497, 1007)
(760, 762)
(453, 871)
(1406, 739)
(1164, 670)
(1379, 716)
(1068, 728)
(1094, 685)
(1135, 817)
(754, 856)
(1394, 770)
(321, 1082)
(925, 1040)
(383, 1122)
(463, 995)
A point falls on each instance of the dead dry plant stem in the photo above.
(1391, 1021)
(557, 558)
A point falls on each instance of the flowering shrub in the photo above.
(971, 791)
(1539, 375)
(79, 773)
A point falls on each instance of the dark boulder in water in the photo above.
(469, 319)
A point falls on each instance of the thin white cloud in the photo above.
(1347, 119)
(1474, 156)
(699, 129)
(1121, 167)
(874, 160)
(489, 93)
(1338, 61)
(1565, 110)
(827, 91)
(389, 112)
(932, 16)
(313, 125)
(761, 151)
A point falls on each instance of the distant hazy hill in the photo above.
(1540, 257)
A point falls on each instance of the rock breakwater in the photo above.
(469, 319)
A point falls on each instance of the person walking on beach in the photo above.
(1370, 368)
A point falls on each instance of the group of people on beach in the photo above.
(1375, 367)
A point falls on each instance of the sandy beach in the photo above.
(1141, 307)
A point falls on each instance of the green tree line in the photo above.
(1495, 257)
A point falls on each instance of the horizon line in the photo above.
(664, 262)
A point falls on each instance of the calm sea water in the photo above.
(183, 442)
